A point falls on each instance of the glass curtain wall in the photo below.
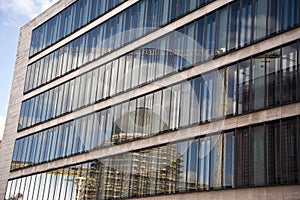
(68, 21)
(258, 155)
(256, 83)
(240, 23)
(263, 81)
(134, 22)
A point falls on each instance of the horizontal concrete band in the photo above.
(261, 193)
(127, 48)
(199, 69)
(187, 133)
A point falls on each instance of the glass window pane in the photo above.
(132, 117)
(182, 148)
(83, 91)
(218, 91)
(207, 91)
(242, 158)
(175, 105)
(195, 100)
(94, 81)
(101, 127)
(228, 159)
(165, 109)
(258, 76)
(128, 72)
(273, 80)
(258, 155)
(231, 86)
(260, 19)
(76, 93)
(60, 100)
(114, 77)
(246, 22)
(243, 86)
(108, 129)
(89, 132)
(185, 103)
(233, 25)
(193, 155)
(289, 73)
(210, 31)
(273, 160)
(88, 88)
(106, 82)
(203, 166)
(274, 18)
(216, 161)
(222, 23)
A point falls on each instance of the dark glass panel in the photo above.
(273, 158)
(210, 34)
(233, 25)
(258, 81)
(228, 159)
(192, 166)
(38, 148)
(274, 17)
(290, 13)
(242, 165)
(69, 138)
(53, 139)
(289, 73)
(23, 153)
(15, 161)
(258, 153)
(61, 94)
(29, 151)
(260, 19)
(288, 151)
(221, 30)
(273, 78)
(195, 100)
(55, 102)
(246, 22)
(244, 86)
(207, 91)
(231, 87)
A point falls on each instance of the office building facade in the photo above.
(156, 99)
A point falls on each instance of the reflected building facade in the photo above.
(134, 99)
